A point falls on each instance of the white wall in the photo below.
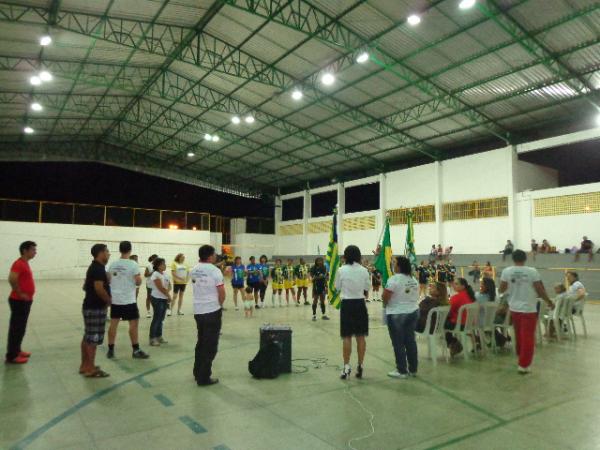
(561, 231)
(246, 244)
(535, 177)
(410, 187)
(64, 250)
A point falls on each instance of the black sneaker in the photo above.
(208, 382)
(359, 371)
(140, 354)
(111, 353)
(306, 303)
(325, 318)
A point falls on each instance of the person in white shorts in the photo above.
(124, 276)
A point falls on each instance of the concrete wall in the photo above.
(534, 177)
(64, 250)
(246, 245)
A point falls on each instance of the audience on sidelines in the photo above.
(464, 295)
(437, 296)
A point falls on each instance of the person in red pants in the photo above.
(523, 287)
(20, 300)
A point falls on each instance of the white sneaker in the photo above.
(148, 315)
(262, 305)
(314, 318)
(524, 370)
(396, 374)
(169, 313)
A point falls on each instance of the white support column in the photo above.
(382, 201)
(439, 224)
(341, 197)
(278, 215)
(512, 161)
(306, 215)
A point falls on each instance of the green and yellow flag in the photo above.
(409, 249)
(383, 262)
(332, 261)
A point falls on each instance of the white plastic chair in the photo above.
(437, 316)
(487, 316)
(542, 309)
(471, 326)
(561, 315)
(578, 312)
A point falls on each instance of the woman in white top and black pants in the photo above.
(353, 282)
(401, 300)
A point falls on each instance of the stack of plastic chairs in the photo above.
(436, 334)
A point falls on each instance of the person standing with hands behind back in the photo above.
(161, 297)
(353, 282)
(209, 296)
(523, 285)
(96, 302)
(20, 300)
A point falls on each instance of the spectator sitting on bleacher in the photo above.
(545, 247)
(448, 252)
(586, 247)
(508, 249)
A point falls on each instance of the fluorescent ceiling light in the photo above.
(215, 138)
(235, 120)
(297, 94)
(45, 40)
(249, 119)
(28, 130)
(36, 106)
(328, 79)
(191, 154)
(362, 58)
(413, 20)
(207, 137)
(35, 80)
(45, 75)
(466, 4)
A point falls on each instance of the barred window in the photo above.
(567, 204)
(421, 214)
(475, 209)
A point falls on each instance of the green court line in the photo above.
(166, 401)
(498, 425)
(30, 438)
(196, 427)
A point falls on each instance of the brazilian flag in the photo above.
(332, 262)
(383, 262)
(409, 249)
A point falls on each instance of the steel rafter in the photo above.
(417, 112)
(302, 20)
(533, 46)
(115, 155)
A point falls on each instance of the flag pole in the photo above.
(387, 217)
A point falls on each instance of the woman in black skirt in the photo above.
(353, 282)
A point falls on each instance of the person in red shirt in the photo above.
(464, 295)
(20, 300)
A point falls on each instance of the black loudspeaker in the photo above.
(281, 335)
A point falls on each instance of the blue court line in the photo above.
(166, 401)
(143, 382)
(192, 424)
(28, 440)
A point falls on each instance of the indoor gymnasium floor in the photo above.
(155, 404)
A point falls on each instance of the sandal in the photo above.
(97, 374)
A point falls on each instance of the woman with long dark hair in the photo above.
(437, 296)
(401, 298)
(353, 282)
(464, 295)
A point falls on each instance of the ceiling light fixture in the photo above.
(45, 40)
(235, 120)
(28, 130)
(413, 20)
(36, 107)
(215, 138)
(35, 80)
(466, 4)
(362, 58)
(45, 75)
(297, 94)
(328, 79)
(249, 119)
(191, 154)
(207, 137)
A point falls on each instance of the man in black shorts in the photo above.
(96, 301)
(125, 277)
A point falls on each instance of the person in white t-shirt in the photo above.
(209, 296)
(353, 282)
(181, 276)
(160, 298)
(523, 286)
(147, 275)
(401, 300)
(576, 290)
(124, 275)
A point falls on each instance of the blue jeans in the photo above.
(402, 334)
(160, 310)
